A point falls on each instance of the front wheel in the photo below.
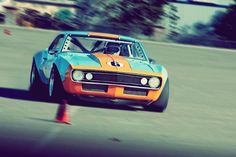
(37, 87)
(160, 104)
(55, 87)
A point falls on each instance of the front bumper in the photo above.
(110, 91)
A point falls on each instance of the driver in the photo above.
(112, 48)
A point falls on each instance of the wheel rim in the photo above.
(51, 84)
(32, 77)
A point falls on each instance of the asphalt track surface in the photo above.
(200, 120)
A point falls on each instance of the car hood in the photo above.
(109, 62)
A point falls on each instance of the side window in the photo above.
(124, 50)
(137, 51)
(57, 42)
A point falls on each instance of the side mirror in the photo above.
(152, 61)
(53, 51)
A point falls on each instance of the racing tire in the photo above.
(160, 104)
(55, 87)
(37, 87)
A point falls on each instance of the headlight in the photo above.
(143, 81)
(154, 82)
(77, 75)
(89, 76)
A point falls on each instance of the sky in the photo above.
(222, 2)
(190, 14)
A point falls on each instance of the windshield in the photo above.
(78, 44)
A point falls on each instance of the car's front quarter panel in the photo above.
(139, 65)
(62, 66)
(160, 69)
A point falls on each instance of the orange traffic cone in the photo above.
(7, 31)
(62, 114)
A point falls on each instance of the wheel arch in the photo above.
(57, 89)
(161, 103)
(38, 60)
(62, 66)
(37, 66)
(54, 67)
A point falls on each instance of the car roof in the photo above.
(101, 35)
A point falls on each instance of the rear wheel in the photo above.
(55, 87)
(160, 104)
(37, 87)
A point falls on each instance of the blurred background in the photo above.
(198, 22)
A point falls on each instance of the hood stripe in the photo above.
(105, 59)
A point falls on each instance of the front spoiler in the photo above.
(104, 100)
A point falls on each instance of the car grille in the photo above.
(135, 91)
(94, 87)
(117, 78)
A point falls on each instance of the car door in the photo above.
(52, 54)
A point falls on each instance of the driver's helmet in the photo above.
(112, 48)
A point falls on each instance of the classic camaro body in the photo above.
(100, 66)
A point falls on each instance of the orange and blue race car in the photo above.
(100, 66)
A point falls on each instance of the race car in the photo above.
(97, 67)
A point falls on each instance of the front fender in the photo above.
(62, 66)
(160, 69)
